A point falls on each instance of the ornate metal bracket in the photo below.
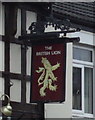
(62, 26)
(37, 29)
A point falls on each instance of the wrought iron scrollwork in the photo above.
(64, 25)
(61, 25)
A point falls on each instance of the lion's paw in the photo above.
(53, 88)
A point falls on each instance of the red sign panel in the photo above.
(48, 73)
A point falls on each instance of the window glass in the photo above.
(82, 54)
(88, 90)
(77, 88)
(83, 80)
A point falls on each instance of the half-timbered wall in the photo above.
(15, 62)
(15, 58)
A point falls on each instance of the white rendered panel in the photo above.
(2, 56)
(1, 19)
(29, 61)
(15, 58)
(1, 86)
(85, 37)
(30, 17)
(27, 92)
(15, 90)
(18, 23)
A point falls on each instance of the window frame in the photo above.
(82, 64)
(81, 61)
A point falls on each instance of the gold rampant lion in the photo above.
(47, 77)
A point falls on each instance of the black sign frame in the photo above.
(46, 41)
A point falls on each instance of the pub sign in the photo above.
(48, 72)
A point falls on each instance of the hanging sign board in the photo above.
(48, 72)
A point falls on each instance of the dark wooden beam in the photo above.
(23, 57)
(10, 30)
(10, 19)
(15, 76)
(7, 67)
(7, 52)
(12, 39)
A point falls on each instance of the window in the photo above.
(83, 80)
(82, 54)
(88, 90)
(77, 88)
